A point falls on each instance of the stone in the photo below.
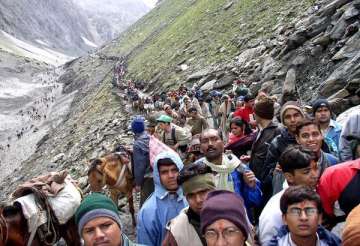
(224, 81)
(339, 29)
(250, 54)
(289, 87)
(208, 85)
(322, 40)
(58, 157)
(267, 86)
(339, 94)
(228, 5)
(296, 40)
(352, 29)
(351, 12)
(330, 9)
(199, 74)
(353, 85)
(299, 60)
(316, 50)
(350, 48)
(348, 71)
(319, 25)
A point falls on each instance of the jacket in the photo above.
(277, 146)
(260, 148)
(160, 207)
(181, 232)
(334, 132)
(350, 129)
(326, 238)
(141, 158)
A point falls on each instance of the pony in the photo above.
(14, 229)
(115, 171)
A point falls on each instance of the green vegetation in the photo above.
(200, 33)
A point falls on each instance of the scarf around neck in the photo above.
(223, 179)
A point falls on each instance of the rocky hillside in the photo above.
(302, 48)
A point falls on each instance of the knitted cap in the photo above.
(138, 124)
(164, 118)
(290, 105)
(264, 107)
(351, 232)
(204, 181)
(93, 206)
(320, 103)
(222, 204)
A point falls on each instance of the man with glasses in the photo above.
(223, 219)
(300, 168)
(184, 229)
(302, 213)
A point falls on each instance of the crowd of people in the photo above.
(239, 169)
(35, 112)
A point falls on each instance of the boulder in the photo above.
(58, 157)
(339, 29)
(339, 94)
(351, 12)
(199, 74)
(208, 86)
(330, 9)
(295, 40)
(250, 54)
(350, 49)
(224, 81)
(322, 40)
(336, 81)
(289, 87)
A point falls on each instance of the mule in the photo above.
(115, 171)
(14, 229)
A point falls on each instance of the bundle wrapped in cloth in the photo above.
(56, 190)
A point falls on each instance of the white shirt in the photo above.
(270, 219)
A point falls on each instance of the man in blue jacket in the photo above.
(165, 203)
(141, 159)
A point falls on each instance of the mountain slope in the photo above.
(55, 25)
(109, 18)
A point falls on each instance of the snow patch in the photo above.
(88, 42)
(13, 87)
(19, 47)
(41, 42)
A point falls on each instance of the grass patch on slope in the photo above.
(211, 31)
(147, 26)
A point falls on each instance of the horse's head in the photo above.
(96, 177)
(106, 170)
